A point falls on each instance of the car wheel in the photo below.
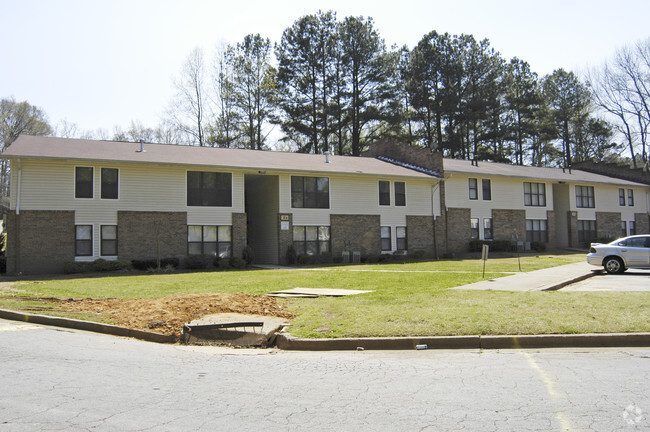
(613, 265)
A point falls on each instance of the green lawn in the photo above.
(408, 299)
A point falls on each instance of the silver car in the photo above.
(621, 254)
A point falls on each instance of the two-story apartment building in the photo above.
(81, 200)
(560, 207)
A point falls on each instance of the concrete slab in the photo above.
(330, 292)
(236, 336)
(631, 280)
(538, 280)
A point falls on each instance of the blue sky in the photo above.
(101, 63)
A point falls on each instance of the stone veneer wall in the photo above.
(458, 230)
(608, 225)
(285, 237)
(363, 232)
(137, 233)
(238, 233)
(550, 226)
(419, 231)
(508, 223)
(39, 241)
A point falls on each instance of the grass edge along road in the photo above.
(410, 299)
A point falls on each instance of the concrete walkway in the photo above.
(539, 280)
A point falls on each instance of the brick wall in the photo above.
(418, 156)
(550, 226)
(363, 232)
(239, 238)
(458, 230)
(39, 241)
(608, 225)
(572, 219)
(508, 223)
(419, 230)
(142, 234)
(642, 222)
(285, 237)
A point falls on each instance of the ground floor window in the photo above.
(386, 243)
(632, 228)
(474, 228)
(586, 231)
(536, 230)
(487, 228)
(311, 240)
(400, 235)
(623, 228)
(108, 240)
(83, 240)
(209, 240)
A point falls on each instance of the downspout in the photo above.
(17, 221)
(433, 214)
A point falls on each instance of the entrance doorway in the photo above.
(261, 203)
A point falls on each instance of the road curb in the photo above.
(87, 326)
(287, 342)
(572, 281)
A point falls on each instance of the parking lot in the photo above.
(631, 280)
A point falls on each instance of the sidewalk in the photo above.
(539, 280)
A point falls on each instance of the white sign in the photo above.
(284, 226)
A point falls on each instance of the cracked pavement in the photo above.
(53, 379)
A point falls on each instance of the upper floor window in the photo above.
(83, 182)
(473, 188)
(110, 183)
(400, 194)
(487, 189)
(384, 193)
(209, 189)
(630, 197)
(621, 197)
(585, 197)
(310, 192)
(534, 194)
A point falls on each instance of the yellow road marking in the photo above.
(550, 389)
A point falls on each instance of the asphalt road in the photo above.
(631, 280)
(53, 379)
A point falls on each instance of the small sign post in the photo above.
(484, 256)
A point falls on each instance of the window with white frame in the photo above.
(621, 197)
(632, 226)
(487, 228)
(534, 194)
(215, 240)
(400, 194)
(310, 192)
(586, 231)
(630, 197)
(108, 243)
(585, 197)
(474, 228)
(386, 243)
(311, 240)
(209, 189)
(536, 230)
(83, 182)
(384, 193)
(400, 237)
(623, 229)
(473, 188)
(83, 240)
(110, 183)
(487, 189)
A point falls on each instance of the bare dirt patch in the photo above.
(166, 315)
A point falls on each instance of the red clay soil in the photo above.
(166, 315)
